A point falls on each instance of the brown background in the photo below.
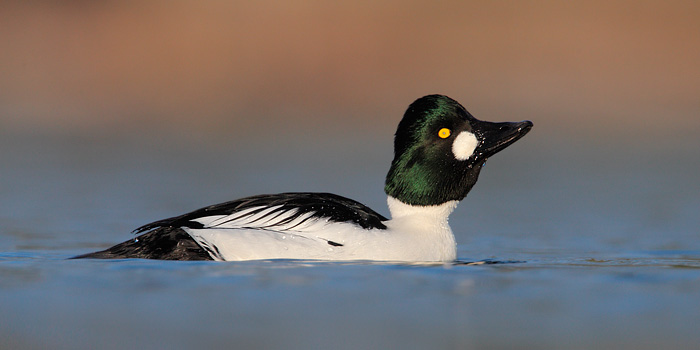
(220, 67)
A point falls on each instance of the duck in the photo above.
(439, 151)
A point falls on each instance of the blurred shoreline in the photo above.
(117, 67)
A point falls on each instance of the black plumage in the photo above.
(166, 240)
(163, 243)
(294, 204)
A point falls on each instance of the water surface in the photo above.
(601, 250)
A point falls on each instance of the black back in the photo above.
(319, 205)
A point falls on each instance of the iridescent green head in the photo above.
(439, 149)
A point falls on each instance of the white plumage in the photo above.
(415, 233)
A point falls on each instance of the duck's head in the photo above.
(439, 149)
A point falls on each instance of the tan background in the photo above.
(222, 67)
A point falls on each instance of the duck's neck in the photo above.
(423, 229)
(438, 212)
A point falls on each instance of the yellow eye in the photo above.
(444, 133)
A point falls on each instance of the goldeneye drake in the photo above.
(439, 149)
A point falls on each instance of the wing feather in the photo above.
(284, 211)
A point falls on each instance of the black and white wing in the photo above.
(286, 225)
(284, 211)
(264, 226)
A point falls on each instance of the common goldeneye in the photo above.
(439, 149)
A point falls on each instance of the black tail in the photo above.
(163, 243)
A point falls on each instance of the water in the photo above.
(599, 243)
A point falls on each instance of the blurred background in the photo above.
(114, 114)
(603, 68)
(207, 101)
(148, 109)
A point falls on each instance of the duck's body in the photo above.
(439, 151)
(318, 226)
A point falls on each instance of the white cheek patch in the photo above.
(464, 145)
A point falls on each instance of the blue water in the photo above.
(599, 242)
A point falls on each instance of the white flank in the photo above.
(464, 145)
(415, 234)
